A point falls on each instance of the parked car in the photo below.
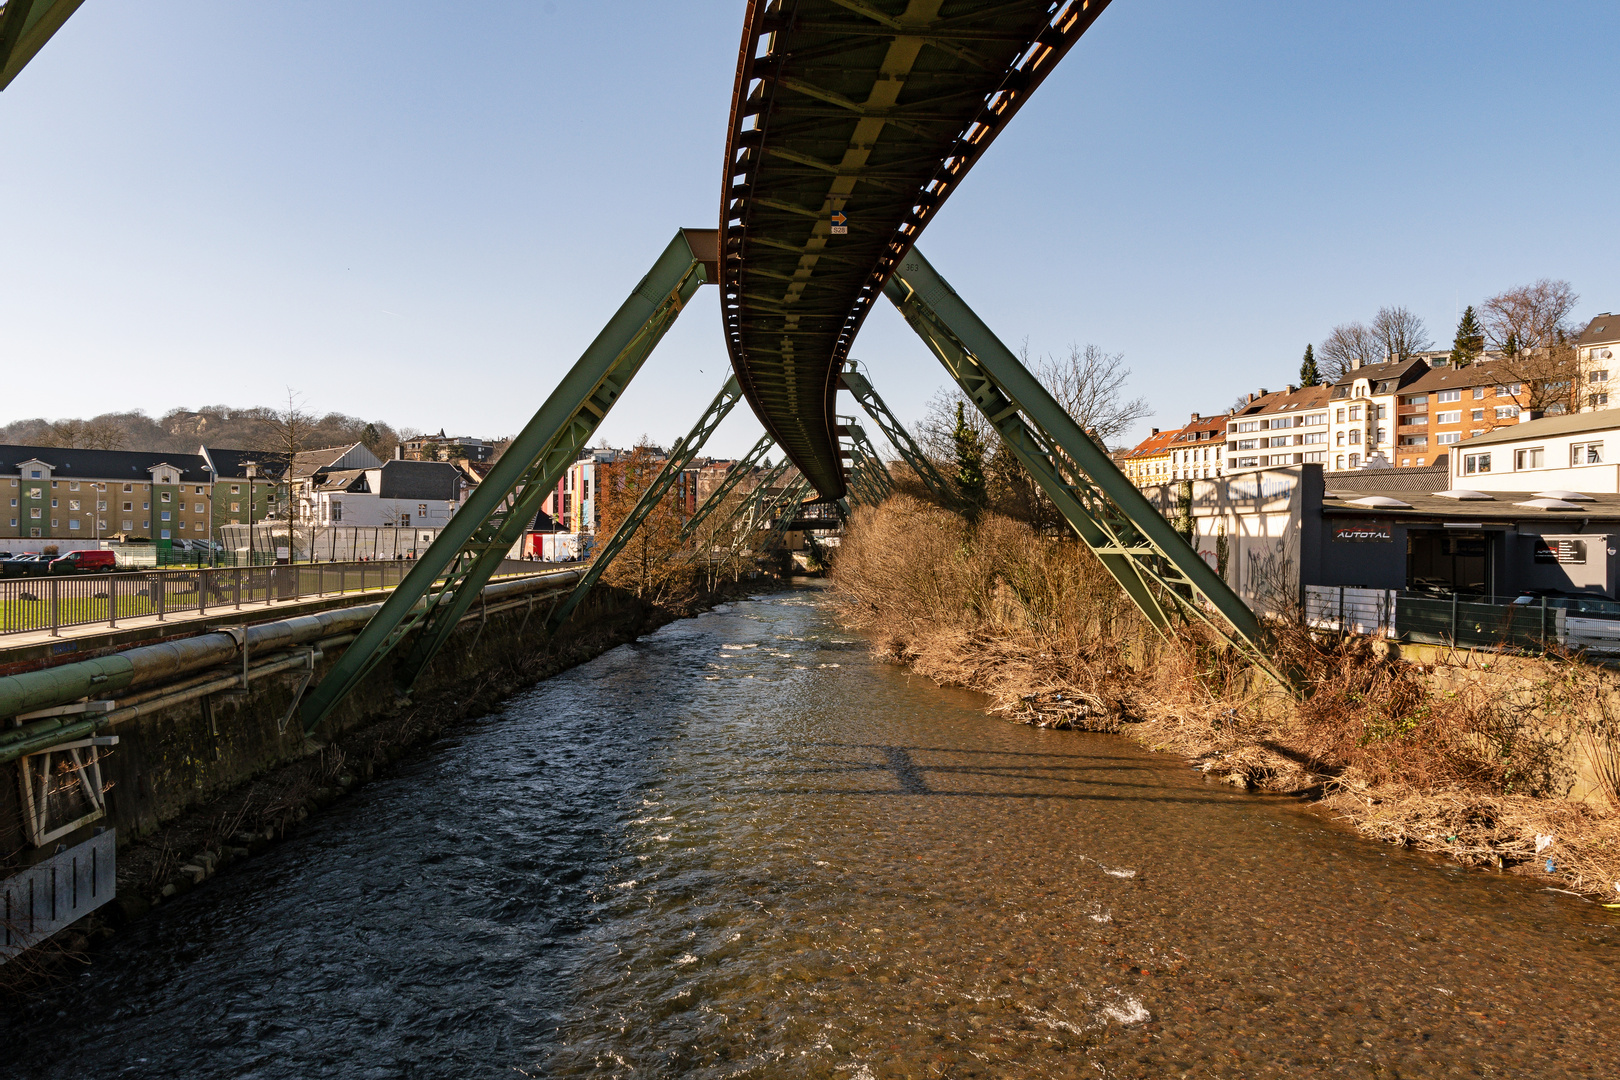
(26, 565)
(84, 562)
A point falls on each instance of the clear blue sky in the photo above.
(421, 213)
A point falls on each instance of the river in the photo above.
(741, 847)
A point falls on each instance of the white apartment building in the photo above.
(1197, 451)
(1595, 355)
(1361, 414)
(1288, 427)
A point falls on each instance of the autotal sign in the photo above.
(1364, 532)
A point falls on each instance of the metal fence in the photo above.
(1454, 621)
(51, 603)
(1350, 610)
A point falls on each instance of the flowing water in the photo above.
(742, 848)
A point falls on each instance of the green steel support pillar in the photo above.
(858, 385)
(680, 456)
(862, 451)
(25, 27)
(769, 477)
(479, 535)
(1157, 568)
(738, 472)
(862, 477)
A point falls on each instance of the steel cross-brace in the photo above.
(867, 464)
(734, 476)
(770, 476)
(912, 454)
(1155, 565)
(680, 456)
(475, 540)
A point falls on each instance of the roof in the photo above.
(1483, 373)
(1279, 401)
(1548, 427)
(232, 464)
(309, 462)
(1401, 371)
(1499, 508)
(1601, 330)
(120, 465)
(1204, 427)
(1433, 477)
(1157, 443)
(419, 480)
(344, 480)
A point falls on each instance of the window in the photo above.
(128, 526)
(73, 486)
(1318, 457)
(1383, 413)
(1338, 416)
(1478, 416)
(1586, 453)
(1420, 463)
(1315, 437)
(1383, 436)
(146, 506)
(35, 493)
(1338, 438)
(1446, 438)
(1355, 461)
(1534, 457)
(236, 489)
(1338, 462)
(163, 497)
(198, 508)
(129, 487)
(337, 510)
(405, 521)
(1448, 417)
(101, 504)
(73, 523)
(1355, 412)
(36, 513)
(1506, 412)
(1599, 400)
(236, 508)
(164, 535)
(1448, 395)
(1355, 436)
(1479, 392)
(53, 504)
(197, 490)
(163, 516)
(1601, 375)
(33, 474)
(1247, 444)
(197, 527)
(73, 504)
(1414, 399)
(128, 507)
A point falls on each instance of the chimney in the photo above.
(1155, 431)
(1264, 391)
(1194, 419)
(399, 451)
(1355, 362)
(1292, 388)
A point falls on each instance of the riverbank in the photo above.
(1496, 761)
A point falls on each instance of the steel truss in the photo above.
(868, 474)
(479, 535)
(680, 456)
(734, 476)
(859, 386)
(748, 508)
(1154, 564)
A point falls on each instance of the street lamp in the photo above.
(251, 468)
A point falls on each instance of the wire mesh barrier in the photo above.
(1350, 610)
(1454, 621)
(51, 603)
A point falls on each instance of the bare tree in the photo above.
(288, 431)
(1529, 316)
(1090, 385)
(1348, 346)
(1530, 324)
(1400, 333)
(105, 433)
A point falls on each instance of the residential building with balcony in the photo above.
(1448, 405)
(1362, 413)
(1198, 451)
(1596, 352)
(1275, 428)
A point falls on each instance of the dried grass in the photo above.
(1472, 759)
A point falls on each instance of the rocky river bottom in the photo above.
(742, 847)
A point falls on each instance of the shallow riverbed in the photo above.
(743, 848)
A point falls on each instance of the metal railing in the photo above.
(54, 602)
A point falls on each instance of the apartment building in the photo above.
(1595, 350)
(83, 496)
(1448, 405)
(1286, 427)
(1362, 413)
(1558, 458)
(1197, 451)
(1149, 461)
(403, 494)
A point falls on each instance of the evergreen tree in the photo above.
(1470, 339)
(1308, 375)
(969, 463)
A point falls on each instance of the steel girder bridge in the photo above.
(852, 121)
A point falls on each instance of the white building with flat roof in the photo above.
(1578, 452)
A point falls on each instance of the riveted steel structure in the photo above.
(473, 542)
(852, 121)
(859, 386)
(739, 472)
(680, 456)
(25, 27)
(1154, 564)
